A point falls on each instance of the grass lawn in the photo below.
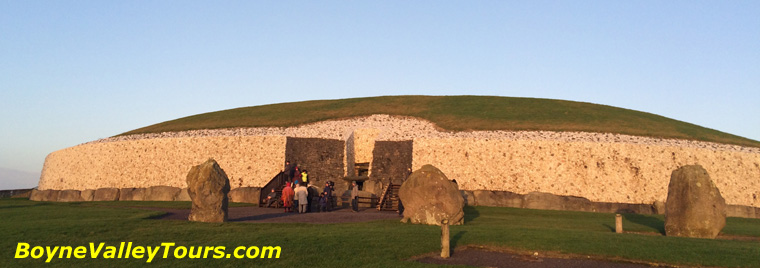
(459, 113)
(387, 243)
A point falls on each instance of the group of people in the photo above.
(295, 197)
(295, 194)
(295, 174)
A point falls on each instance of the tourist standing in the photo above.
(296, 175)
(287, 172)
(328, 196)
(305, 177)
(287, 197)
(303, 198)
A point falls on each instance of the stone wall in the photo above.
(391, 160)
(248, 161)
(598, 166)
(598, 171)
(323, 158)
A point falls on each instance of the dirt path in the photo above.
(481, 257)
(276, 215)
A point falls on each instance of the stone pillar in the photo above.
(445, 246)
(695, 207)
(618, 223)
(208, 186)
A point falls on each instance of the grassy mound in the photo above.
(459, 113)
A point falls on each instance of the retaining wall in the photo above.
(248, 161)
(599, 171)
(600, 167)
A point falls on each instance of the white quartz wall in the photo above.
(601, 171)
(601, 167)
(248, 161)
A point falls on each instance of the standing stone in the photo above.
(208, 186)
(429, 197)
(694, 207)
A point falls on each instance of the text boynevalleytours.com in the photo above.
(125, 250)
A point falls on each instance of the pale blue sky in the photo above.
(76, 71)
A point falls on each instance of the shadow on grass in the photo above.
(264, 216)
(646, 220)
(455, 239)
(470, 213)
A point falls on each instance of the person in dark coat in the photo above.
(271, 198)
(328, 196)
(288, 171)
(297, 175)
(322, 202)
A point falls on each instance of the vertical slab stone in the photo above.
(694, 207)
(429, 197)
(208, 186)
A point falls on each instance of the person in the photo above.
(305, 177)
(327, 192)
(288, 171)
(303, 198)
(287, 197)
(296, 175)
(271, 198)
(322, 202)
(354, 195)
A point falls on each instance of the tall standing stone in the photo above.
(208, 186)
(694, 207)
(429, 197)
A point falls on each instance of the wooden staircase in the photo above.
(277, 183)
(389, 200)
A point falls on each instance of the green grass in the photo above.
(374, 244)
(459, 113)
(152, 204)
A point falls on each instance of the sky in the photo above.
(77, 71)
